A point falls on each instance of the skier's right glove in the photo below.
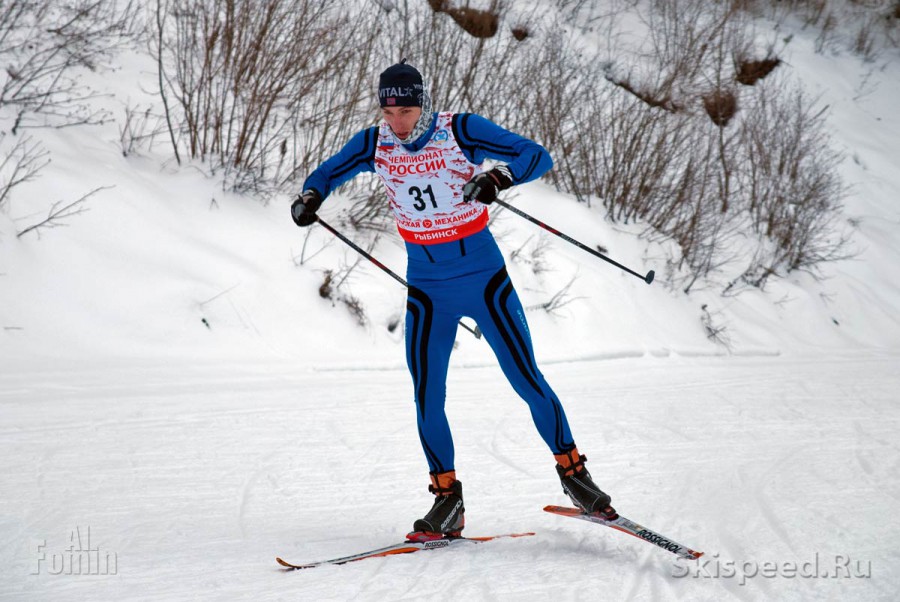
(303, 210)
(485, 186)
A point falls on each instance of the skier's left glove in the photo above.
(303, 210)
(485, 186)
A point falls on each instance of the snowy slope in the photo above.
(164, 248)
(197, 451)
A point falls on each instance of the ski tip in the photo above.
(293, 567)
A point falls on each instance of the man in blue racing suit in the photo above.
(430, 165)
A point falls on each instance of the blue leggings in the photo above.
(468, 278)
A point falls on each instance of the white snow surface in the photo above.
(195, 454)
(197, 476)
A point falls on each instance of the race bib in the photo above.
(424, 188)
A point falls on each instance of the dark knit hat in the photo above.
(400, 85)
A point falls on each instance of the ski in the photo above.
(620, 523)
(406, 547)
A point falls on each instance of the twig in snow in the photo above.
(58, 213)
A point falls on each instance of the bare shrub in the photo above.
(658, 168)
(635, 154)
(44, 46)
(687, 168)
(557, 300)
(44, 43)
(663, 136)
(481, 75)
(794, 194)
(138, 129)
(367, 210)
(663, 145)
(533, 255)
(553, 114)
(60, 212)
(303, 257)
(242, 73)
(861, 26)
(687, 39)
(20, 163)
(652, 98)
(865, 41)
(714, 332)
(828, 33)
(332, 289)
(357, 310)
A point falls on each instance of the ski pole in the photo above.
(476, 331)
(648, 278)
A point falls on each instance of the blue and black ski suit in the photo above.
(465, 276)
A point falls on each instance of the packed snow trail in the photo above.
(192, 477)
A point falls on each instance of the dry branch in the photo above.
(59, 212)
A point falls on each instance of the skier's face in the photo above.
(402, 120)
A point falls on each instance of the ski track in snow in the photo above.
(196, 477)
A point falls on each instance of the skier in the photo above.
(430, 165)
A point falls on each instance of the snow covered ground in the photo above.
(171, 381)
(191, 478)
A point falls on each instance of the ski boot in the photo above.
(447, 516)
(577, 484)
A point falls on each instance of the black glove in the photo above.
(485, 186)
(303, 210)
